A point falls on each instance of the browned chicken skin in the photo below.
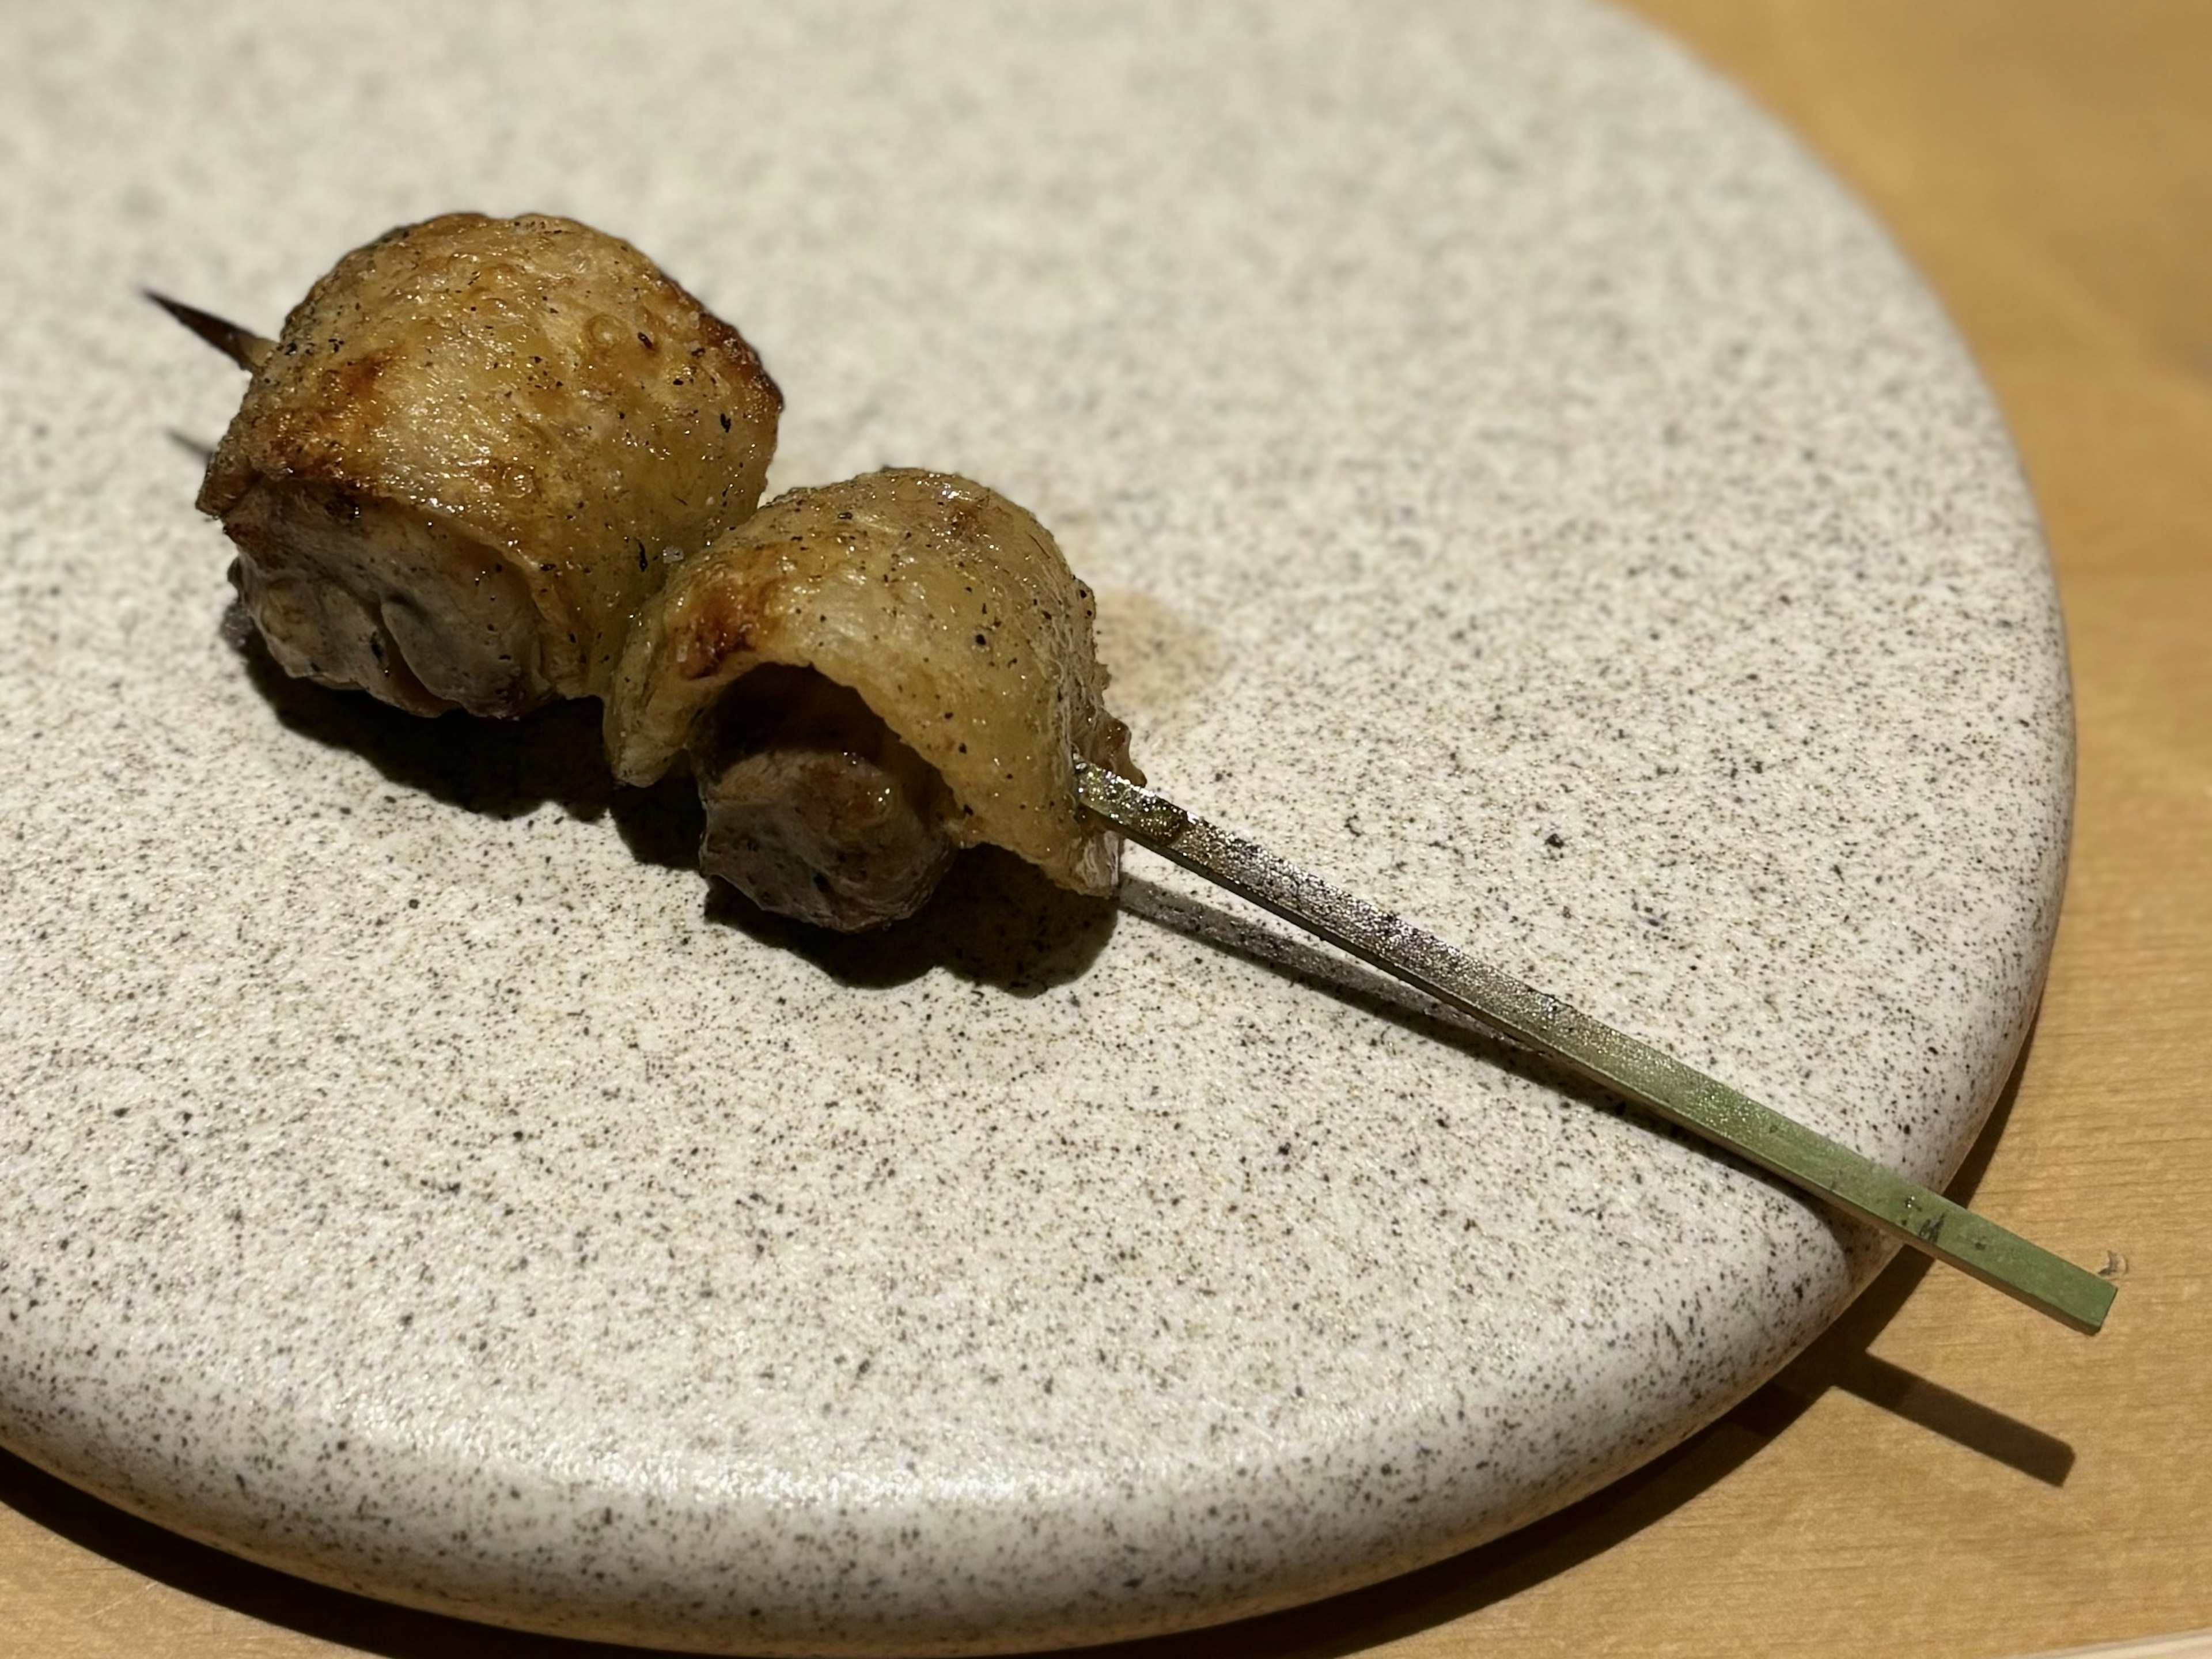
(960, 646)
(478, 447)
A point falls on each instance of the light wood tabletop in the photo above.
(1942, 1471)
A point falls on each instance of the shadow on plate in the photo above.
(1342, 1625)
(1838, 1359)
(1282, 949)
(994, 920)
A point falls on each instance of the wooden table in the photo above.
(1942, 1471)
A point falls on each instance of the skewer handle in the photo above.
(1620, 1063)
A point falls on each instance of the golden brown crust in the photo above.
(945, 605)
(531, 385)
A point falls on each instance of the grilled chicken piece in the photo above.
(479, 448)
(814, 809)
(959, 647)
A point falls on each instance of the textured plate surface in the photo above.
(1520, 486)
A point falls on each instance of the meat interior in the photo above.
(814, 809)
(363, 594)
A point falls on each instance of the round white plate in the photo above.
(1520, 486)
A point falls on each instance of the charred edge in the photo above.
(351, 380)
(735, 350)
(720, 628)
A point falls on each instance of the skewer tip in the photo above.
(247, 349)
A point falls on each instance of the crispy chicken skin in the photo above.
(949, 675)
(479, 447)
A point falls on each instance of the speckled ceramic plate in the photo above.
(1520, 484)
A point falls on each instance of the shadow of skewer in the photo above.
(2003, 1439)
(198, 448)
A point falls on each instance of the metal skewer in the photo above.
(1633, 1070)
